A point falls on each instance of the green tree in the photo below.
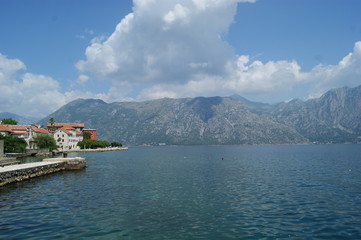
(45, 141)
(93, 144)
(13, 144)
(9, 121)
(116, 144)
(86, 135)
(52, 121)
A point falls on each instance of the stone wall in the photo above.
(22, 174)
(17, 173)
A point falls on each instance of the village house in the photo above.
(66, 135)
(4, 130)
(26, 132)
(67, 138)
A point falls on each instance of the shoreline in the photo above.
(95, 150)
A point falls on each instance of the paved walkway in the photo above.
(26, 166)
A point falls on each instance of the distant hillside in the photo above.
(20, 119)
(334, 117)
(177, 121)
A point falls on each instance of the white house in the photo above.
(67, 138)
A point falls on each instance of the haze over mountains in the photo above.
(334, 117)
(20, 119)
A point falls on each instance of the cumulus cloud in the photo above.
(272, 78)
(346, 73)
(26, 93)
(168, 48)
(29, 94)
(82, 78)
(165, 41)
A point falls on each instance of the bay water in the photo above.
(194, 192)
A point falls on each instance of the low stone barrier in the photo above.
(21, 172)
(76, 163)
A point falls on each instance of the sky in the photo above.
(55, 51)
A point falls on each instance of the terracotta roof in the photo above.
(64, 130)
(40, 130)
(19, 133)
(4, 128)
(79, 133)
(18, 127)
(74, 125)
(68, 128)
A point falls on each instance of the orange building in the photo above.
(93, 133)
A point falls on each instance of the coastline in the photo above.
(96, 150)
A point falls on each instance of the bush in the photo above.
(13, 144)
(45, 141)
(93, 144)
(9, 121)
(116, 144)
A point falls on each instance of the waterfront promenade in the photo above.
(21, 172)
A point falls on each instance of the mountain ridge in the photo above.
(334, 117)
(22, 120)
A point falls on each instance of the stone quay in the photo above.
(21, 172)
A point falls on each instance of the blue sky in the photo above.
(52, 52)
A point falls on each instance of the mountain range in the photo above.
(335, 117)
(20, 119)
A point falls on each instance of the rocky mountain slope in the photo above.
(334, 117)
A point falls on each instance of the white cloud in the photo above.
(29, 94)
(175, 49)
(169, 48)
(346, 73)
(272, 78)
(9, 66)
(82, 78)
(26, 93)
(162, 40)
(179, 13)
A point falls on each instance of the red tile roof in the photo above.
(19, 133)
(18, 127)
(73, 125)
(40, 130)
(79, 133)
(68, 128)
(4, 128)
(65, 130)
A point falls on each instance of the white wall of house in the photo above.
(67, 141)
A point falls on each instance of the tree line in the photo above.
(93, 144)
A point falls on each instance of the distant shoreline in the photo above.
(96, 150)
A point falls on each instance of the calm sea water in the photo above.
(203, 192)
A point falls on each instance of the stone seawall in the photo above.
(109, 149)
(21, 172)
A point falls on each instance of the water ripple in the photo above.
(256, 192)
